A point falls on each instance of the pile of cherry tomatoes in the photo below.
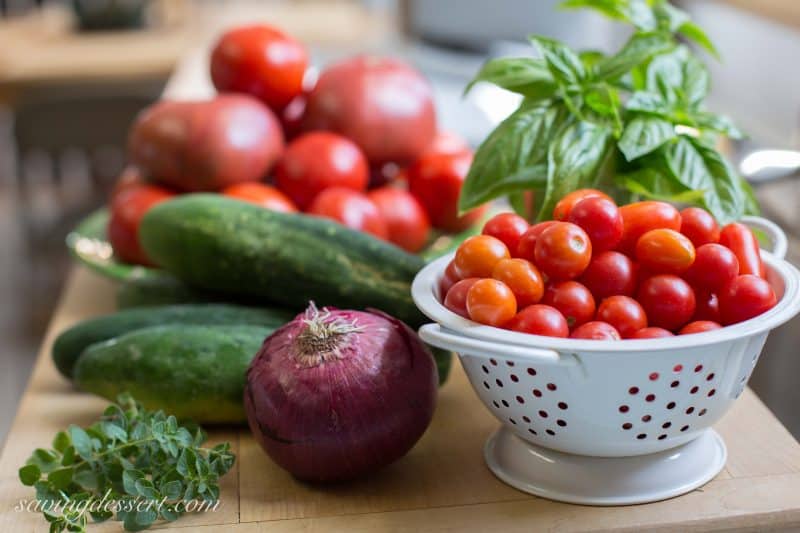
(599, 271)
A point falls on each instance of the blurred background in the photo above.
(73, 74)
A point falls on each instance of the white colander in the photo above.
(562, 398)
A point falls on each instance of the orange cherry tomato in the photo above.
(565, 205)
(665, 251)
(261, 194)
(563, 251)
(640, 217)
(744, 245)
(477, 256)
(456, 298)
(698, 326)
(522, 277)
(491, 302)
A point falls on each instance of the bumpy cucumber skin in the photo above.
(70, 344)
(222, 244)
(195, 372)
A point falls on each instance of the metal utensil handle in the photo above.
(777, 237)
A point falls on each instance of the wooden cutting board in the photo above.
(441, 485)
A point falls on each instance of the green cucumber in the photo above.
(160, 290)
(69, 344)
(189, 371)
(221, 244)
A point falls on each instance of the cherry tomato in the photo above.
(665, 251)
(130, 177)
(599, 217)
(128, 207)
(352, 209)
(447, 142)
(526, 248)
(491, 302)
(522, 278)
(745, 297)
(573, 300)
(406, 220)
(540, 320)
(699, 226)
(624, 313)
(668, 301)
(478, 255)
(707, 306)
(563, 251)
(456, 298)
(565, 205)
(652, 333)
(260, 194)
(435, 180)
(449, 278)
(713, 267)
(317, 161)
(744, 245)
(292, 117)
(596, 330)
(640, 217)
(610, 274)
(259, 60)
(508, 227)
(698, 326)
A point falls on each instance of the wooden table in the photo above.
(441, 485)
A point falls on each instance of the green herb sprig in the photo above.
(633, 123)
(130, 458)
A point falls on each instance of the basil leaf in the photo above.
(29, 474)
(718, 123)
(653, 185)
(513, 157)
(639, 48)
(604, 103)
(590, 58)
(574, 159)
(678, 72)
(695, 33)
(670, 17)
(524, 75)
(644, 134)
(564, 64)
(648, 102)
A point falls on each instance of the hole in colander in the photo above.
(526, 419)
(512, 421)
(496, 404)
(551, 386)
(666, 425)
(510, 363)
(702, 412)
(650, 397)
(505, 403)
(662, 437)
(698, 368)
(653, 376)
(561, 423)
(689, 410)
(520, 399)
(684, 428)
(532, 431)
(486, 385)
(624, 408)
(633, 390)
(712, 392)
(641, 436)
(494, 363)
(543, 414)
(675, 384)
(677, 368)
(531, 371)
(499, 383)
(537, 393)
(671, 405)
(485, 370)
(694, 389)
(550, 432)
(563, 406)
(627, 425)
(710, 377)
(647, 418)
(514, 378)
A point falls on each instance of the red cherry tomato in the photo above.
(352, 209)
(259, 60)
(745, 297)
(744, 245)
(699, 226)
(508, 227)
(456, 298)
(640, 217)
(565, 205)
(405, 219)
(491, 302)
(599, 217)
(478, 255)
(573, 300)
(668, 301)
(522, 278)
(563, 251)
(707, 307)
(260, 194)
(596, 330)
(128, 207)
(610, 274)
(526, 247)
(624, 313)
(540, 320)
(435, 180)
(130, 177)
(317, 161)
(652, 333)
(449, 278)
(698, 326)
(713, 267)
(665, 251)
(292, 117)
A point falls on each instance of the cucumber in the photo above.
(189, 371)
(69, 344)
(221, 244)
(160, 290)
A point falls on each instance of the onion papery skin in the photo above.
(351, 414)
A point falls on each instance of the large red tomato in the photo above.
(406, 220)
(317, 161)
(352, 209)
(435, 180)
(261, 61)
(128, 207)
(382, 104)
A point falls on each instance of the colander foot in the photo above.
(604, 480)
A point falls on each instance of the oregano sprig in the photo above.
(137, 465)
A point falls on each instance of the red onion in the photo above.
(336, 394)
